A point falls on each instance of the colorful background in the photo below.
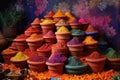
(102, 14)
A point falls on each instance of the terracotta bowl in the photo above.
(37, 66)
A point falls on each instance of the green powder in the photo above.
(111, 53)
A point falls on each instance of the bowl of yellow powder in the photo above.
(20, 60)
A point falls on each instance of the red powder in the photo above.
(29, 53)
(60, 45)
(95, 55)
(22, 36)
(45, 47)
(32, 29)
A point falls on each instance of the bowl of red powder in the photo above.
(37, 63)
(49, 15)
(20, 42)
(96, 61)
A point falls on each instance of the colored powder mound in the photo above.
(8, 50)
(75, 22)
(82, 21)
(90, 40)
(57, 58)
(37, 58)
(69, 16)
(20, 56)
(77, 32)
(22, 36)
(46, 47)
(73, 61)
(28, 52)
(60, 45)
(50, 33)
(59, 13)
(50, 14)
(62, 22)
(62, 29)
(111, 53)
(90, 29)
(48, 21)
(36, 21)
(95, 55)
(74, 41)
(31, 29)
(35, 37)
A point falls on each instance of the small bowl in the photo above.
(76, 69)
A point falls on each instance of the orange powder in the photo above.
(32, 29)
(7, 50)
(90, 29)
(69, 16)
(90, 40)
(36, 21)
(35, 36)
(59, 13)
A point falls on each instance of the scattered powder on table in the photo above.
(73, 61)
(74, 41)
(90, 29)
(77, 32)
(8, 50)
(50, 14)
(95, 55)
(35, 36)
(111, 53)
(90, 40)
(57, 58)
(62, 29)
(21, 36)
(45, 47)
(59, 13)
(20, 56)
(37, 58)
(36, 21)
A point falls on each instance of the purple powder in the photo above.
(74, 41)
(37, 58)
(57, 58)
(50, 33)
(75, 21)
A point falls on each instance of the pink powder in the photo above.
(82, 21)
(75, 21)
(74, 41)
(50, 33)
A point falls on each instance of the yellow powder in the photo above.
(8, 50)
(48, 21)
(20, 56)
(90, 29)
(89, 40)
(70, 17)
(62, 29)
(59, 13)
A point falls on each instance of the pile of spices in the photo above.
(48, 21)
(90, 29)
(35, 37)
(82, 21)
(31, 29)
(50, 34)
(77, 32)
(95, 55)
(59, 13)
(74, 41)
(50, 14)
(37, 58)
(20, 56)
(62, 22)
(60, 45)
(57, 58)
(8, 50)
(111, 53)
(90, 40)
(75, 22)
(45, 47)
(36, 21)
(70, 17)
(73, 61)
(29, 53)
(62, 29)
